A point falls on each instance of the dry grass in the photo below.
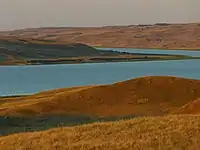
(171, 36)
(162, 133)
(141, 96)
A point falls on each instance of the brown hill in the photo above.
(170, 132)
(140, 96)
(166, 36)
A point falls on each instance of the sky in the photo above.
(18, 14)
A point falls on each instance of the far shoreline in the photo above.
(74, 62)
(140, 48)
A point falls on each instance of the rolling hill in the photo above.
(159, 36)
(24, 51)
(16, 51)
(148, 112)
(143, 96)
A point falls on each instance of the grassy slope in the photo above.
(141, 96)
(161, 36)
(148, 96)
(29, 51)
(170, 132)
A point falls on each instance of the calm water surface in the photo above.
(16, 80)
(151, 51)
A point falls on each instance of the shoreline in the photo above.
(140, 48)
(102, 60)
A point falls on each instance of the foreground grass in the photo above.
(169, 132)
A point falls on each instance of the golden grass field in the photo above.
(145, 133)
(166, 111)
(159, 36)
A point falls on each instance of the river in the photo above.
(17, 80)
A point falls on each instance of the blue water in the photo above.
(16, 80)
(151, 51)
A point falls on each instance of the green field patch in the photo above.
(11, 124)
(2, 58)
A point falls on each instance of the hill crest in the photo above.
(141, 96)
(157, 36)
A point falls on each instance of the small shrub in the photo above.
(142, 101)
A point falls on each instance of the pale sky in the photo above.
(16, 14)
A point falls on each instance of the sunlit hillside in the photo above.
(170, 132)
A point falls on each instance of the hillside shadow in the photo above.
(11, 125)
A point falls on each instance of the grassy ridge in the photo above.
(170, 132)
(28, 49)
(34, 52)
(156, 36)
(140, 96)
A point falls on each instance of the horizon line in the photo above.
(102, 26)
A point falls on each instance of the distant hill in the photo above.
(15, 50)
(27, 51)
(21, 48)
(160, 35)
